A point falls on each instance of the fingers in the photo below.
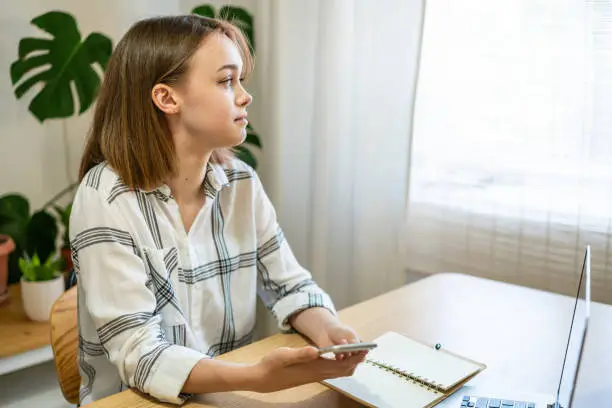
(315, 370)
(348, 366)
(352, 341)
(342, 356)
(286, 356)
(341, 368)
(361, 355)
(288, 367)
(302, 355)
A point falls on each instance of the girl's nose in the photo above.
(245, 99)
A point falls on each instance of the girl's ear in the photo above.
(165, 98)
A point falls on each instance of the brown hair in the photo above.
(128, 131)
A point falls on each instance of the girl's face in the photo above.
(210, 102)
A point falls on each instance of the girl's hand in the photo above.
(290, 367)
(338, 334)
(324, 329)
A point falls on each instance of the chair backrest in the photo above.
(65, 344)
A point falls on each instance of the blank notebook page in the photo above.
(381, 389)
(436, 366)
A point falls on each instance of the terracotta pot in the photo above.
(7, 245)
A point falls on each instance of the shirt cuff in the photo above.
(296, 302)
(172, 369)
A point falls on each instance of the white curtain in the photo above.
(334, 82)
(511, 159)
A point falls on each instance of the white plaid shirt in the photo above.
(153, 300)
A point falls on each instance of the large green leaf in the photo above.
(14, 217)
(42, 233)
(69, 60)
(252, 137)
(246, 156)
(14, 206)
(205, 10)
(16, 229)
(242, 151)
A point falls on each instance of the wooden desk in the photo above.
(519, 333)
(23, 342)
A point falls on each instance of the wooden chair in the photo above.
(65, 344)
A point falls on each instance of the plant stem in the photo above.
(66, 152)
(60, 194)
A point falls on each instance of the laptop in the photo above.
(563, 397)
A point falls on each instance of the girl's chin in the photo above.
(239, 139)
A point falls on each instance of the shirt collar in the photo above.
(214, 180)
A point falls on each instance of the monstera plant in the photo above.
(67, 59)
(244, 21)
(55, 62)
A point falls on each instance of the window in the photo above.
(512, 144)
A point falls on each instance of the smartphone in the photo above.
(348, 348)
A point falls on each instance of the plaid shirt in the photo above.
(153, 300)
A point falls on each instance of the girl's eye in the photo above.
(228, 82)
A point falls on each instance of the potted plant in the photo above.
(7, 245)
(41, 285)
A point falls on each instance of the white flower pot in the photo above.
(38, 297)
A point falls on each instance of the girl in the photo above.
(172, 237)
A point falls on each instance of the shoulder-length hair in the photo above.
(128, 131)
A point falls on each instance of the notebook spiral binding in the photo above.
(406, 375)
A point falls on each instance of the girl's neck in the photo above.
(186, 186)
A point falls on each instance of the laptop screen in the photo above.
(578, 327)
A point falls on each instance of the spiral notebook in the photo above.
(402, 372)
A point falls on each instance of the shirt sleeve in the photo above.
(113, 281)
(284, 286)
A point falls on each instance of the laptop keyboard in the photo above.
(477, 402)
